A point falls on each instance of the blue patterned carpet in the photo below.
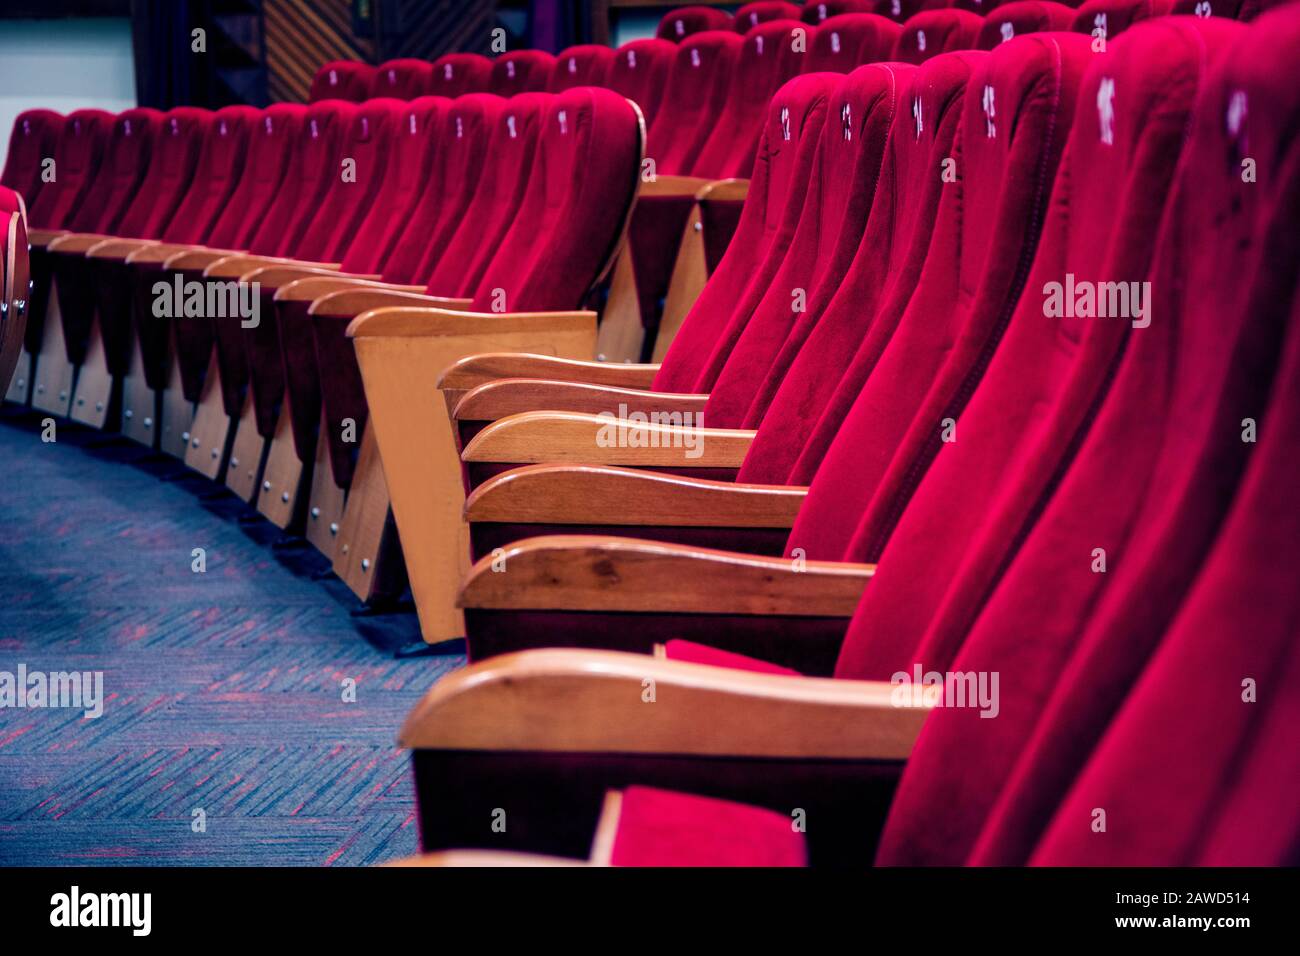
(224, 691)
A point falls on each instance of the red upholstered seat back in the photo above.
(1107, 19)
(456, 74)
(511, 147)
(271, 143)
(77, 156)
(313, 168)
(1225, 278)
(1023, 16)
(639, 72)
(365, 149)
(221, 163)
(172, 161)
(752, 14)
(521, 71)
(1044, 384)
(932, 32)
(684, 22)
(402, 79)
(902, 379)
(698, 83)
(843, 191)
(1039, 604)
(126, 158)
(814, 12)
(579, 195)
(33, 139)
(408, 172)
(586, 65)
(900, 11)
(789, 394)
(342, 80)
(842, 44)
(453, 179)
(767, 59)
(786, 156)
(1212, 797)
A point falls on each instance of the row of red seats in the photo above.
(683, 22)
(915, 459)
(494, 207)
(711, 90)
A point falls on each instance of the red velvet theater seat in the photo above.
(752, 14)
(402, 80)
(521, 71)
(369, 140)
(473, 137)
(900, 11)
(127, 155)
(77, 155)
(684, 22)
(342, 80)
(31, 141)
(843, 43)
(767, 59)
(1210, 797)
(1011, 20)
(913, 296)
(932, 32)
(698, 82)
(1110, 681)
(565, 217)
(639, 72)
(814, 12)
(126, 158)
(456, 74)
(586, 65)
(772, 212)
(1106, 19)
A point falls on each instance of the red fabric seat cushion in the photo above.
(696, 653)
(666, 828)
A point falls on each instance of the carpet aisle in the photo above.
(224, 691)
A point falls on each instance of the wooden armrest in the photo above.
(75, 242)
(239, 264)
(674, 186)
(160, 252)
(479, 858)
(538, 437)
(417, 323)
(115, 248)
(574, 572)
(277, 276)
(475, 370)
(586, 494)
(510, 396)
(312, 287)
(196, 259)
(40, 238)
(582, 701)
(363, 298)
(725, 189)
